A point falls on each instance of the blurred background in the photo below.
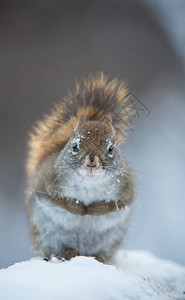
(44, 46)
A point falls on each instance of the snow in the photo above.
(133, 275)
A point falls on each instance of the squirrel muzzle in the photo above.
(91, 163)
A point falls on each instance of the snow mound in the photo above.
(134, 275)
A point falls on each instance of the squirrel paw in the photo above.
(69, 253)
(100, 258)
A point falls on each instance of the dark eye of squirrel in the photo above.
(75, 147)
(110, 151)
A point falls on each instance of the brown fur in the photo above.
(93, 142)
(96, 97)
(94, 209)
(70, 253)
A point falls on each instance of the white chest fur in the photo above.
(89, 187)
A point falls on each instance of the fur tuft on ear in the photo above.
(82, 119)
(108, 119)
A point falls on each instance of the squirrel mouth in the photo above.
(91, 168)
(91, 165)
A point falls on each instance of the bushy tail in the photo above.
(96, 97)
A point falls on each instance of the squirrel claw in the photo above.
(46, 258)
(54, 259)
(62, 259)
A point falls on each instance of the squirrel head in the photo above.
(93, 143)
(107, 106)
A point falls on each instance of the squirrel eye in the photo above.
(110, 150)
(75, 148)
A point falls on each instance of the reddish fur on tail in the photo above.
(97, 97)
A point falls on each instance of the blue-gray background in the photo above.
(44, 46)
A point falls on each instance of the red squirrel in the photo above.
(80, 189)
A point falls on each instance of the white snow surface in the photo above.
(132, 275)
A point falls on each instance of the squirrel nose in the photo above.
(91, 158)
(92, 162)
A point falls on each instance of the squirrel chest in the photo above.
(88, 188)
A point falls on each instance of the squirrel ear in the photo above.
(108, 119)
(82, 119)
